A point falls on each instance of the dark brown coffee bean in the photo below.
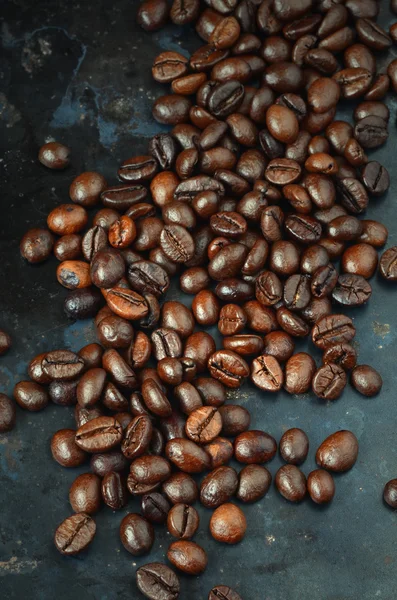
(291, 323)
(114, 491)
(150, 469)
(375, 178)
(254, 483)
(291, 483)
(331, 330)
(54, 155)
(338, 452)
(341, 354)
(254, 447)
(220, 451)
(103, 464)
(228, 367)
(351, 290)
(183, 521)
(86, 188)
(321, 486)
(65, 450)
(99, 434)
(90, 387)
(228, 524)
(354, 82)
(155, 400)
(235, 419)
(297, 292)
(283, 171)
(30, 396)
(388, 264)
(7, 413)
(155, 580)
(136, 534)
(137, 437)
(85, 494)
(83, 415)
(69, 247)
(390, 493)
(303, 229)
(36, 245)
(180, 488)
(299, 372)
(268, 288)
(266, 373)
(74, 534)
(155, 507)
(366, 380)
(329, 381)
(188, 557)
(278, 344)
(167, 66)
(371, 132)
(294, 446)
(373, 233)
(166, 342)
(204, 424)
(218, 487)
(119, 369)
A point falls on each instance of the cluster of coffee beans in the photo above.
(250, 199)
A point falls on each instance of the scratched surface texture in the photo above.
(80, 73)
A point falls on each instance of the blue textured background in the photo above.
(80, 73)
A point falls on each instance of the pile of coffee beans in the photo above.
(253, 199)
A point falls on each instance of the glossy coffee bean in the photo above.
(376, 178)
(136, 534)
(352, 290)
(218, 487)
(333, 329)
(388, 264)
(5, 342)
(341, 354)
(338, 452)
(36, 245)
(228, 524)
(109, 462)
(54, 155)
(155, 507)
(294, 446)
(114, 491)
(321, 486)
(228, 368)
(366, 380)
(86, 188)
(85, 494)
(390, 493)
(220, 451)
(266, 373)
(183, 521)
(65, 450)
(30, 396)
(7, 413)
(155, 580)
(74, 534)
(188, 557)
(225, 591)
(291, 483)
(99, 434)
(254, 447)
(203, 424)
(180, 488)
(329, 381)
(187, 456)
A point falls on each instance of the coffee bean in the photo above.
(86, 189)
(85, 494)
(155, 507)
(228, 367)
(329, 381)
(366, 380)
(388, 264)
(228, 524)
(54, 155)
(136, 534)
(371, 132)
(30, 395)
(103, 464)
(351, 290)
(65, 450)
(266, 373)
(99, 434)
(268, 288)
(390, 493)
(282, 171)
(278, 344)
(137, 437)
(74, 534)
(203, 424)
(354, 82)
(220, 451)
(172, 109)
(36, 245)
(183, 521)
(150, 469)
(167, 66)
(254, 447)
(291, 483)
(155, 400)
(321, 486)
(223, 592)
(254, 483)
(84, 415)
(218, 487)
(331, 330)
(180, 488)
(118, 368)
(341, 354)
(294, 446)
(297, 292)
(188, 557)
(157, 581)
(187, 456)
(7, 413)
(338, 452)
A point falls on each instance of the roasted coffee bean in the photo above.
(155, 400)
(115, 332)
(218, 487)
(294, 446)
(345, 228)
(291, 323)
(329, 381)
(341, 354)
(180, 488)
(150, 469)
(7, 413)
(351, 290)
(155, 507)
(266, 373)
(183, 521)
(372, 35)
(167, 66)
(284, 77)
(119, 369)
(74, 534)
(235, 419)
(65, 450)
(228, 367)
(178, 317)
(360, 259)
(268, 288)
(199, 347)
(136, 534)
(122, 232)
(73, 274)
(163, 148)
(30, 396)
(177, 243)
(227, 263)
(254, 447)
(299, 372)
(354, 82)
(194, 280)
(366, 380)
(137, 437)
(379, 88)
(234, 290)
(5, 342)
(69, 247)
(107, 268)
(324, 280)
(278, 344)
(388, 264)
(155, 580)
(338, 452)
(166, 342)
(297, 292)
(282, 171)
(331, 330)
(321, 486)
(220, 451)
(36, 245)
(83, 415)
(113, 399)
(211, 391)
(187, 456)
(109, 462)
(371, 132)
(376, 178)
(390, 493)
(99, 434)
(139, 489)
(170, 371)
(244, 344)
(172, 109)
(54, 155)
(189, 402)
(90, 387)
(254, 483)
(63, 393)
(85, 494)
(126, 303)
(114, 491)
(188, 557)
(228, 524)
(291, 483)
(303, 229)
(206, 308)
